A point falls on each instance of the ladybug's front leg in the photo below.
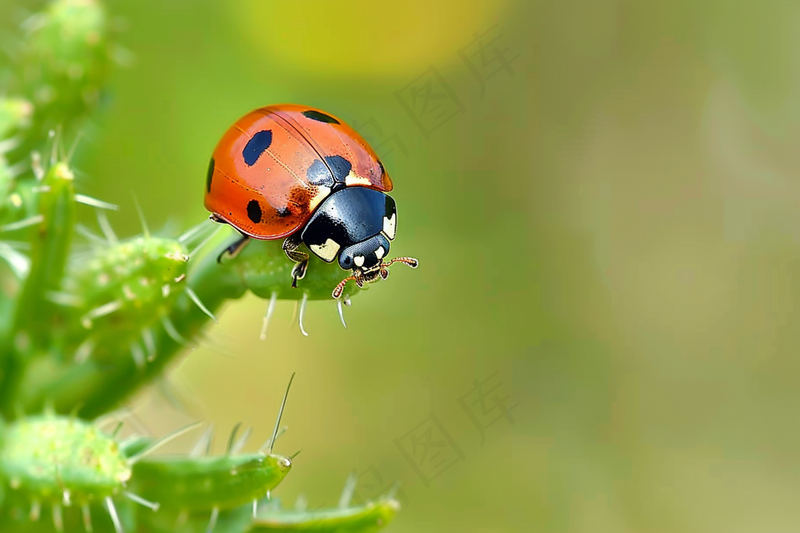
(233, 250)
(291, 245)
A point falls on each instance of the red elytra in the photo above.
(264, 175)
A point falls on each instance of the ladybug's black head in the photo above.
(365, 255)
(356, 224)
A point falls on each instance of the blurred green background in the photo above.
(608, 230)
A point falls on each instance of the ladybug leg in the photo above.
(291, 246)
(233, 250)
(299, 272)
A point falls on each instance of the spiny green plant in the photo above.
(82, 330)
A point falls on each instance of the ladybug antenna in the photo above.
(410, 261)
(337, 292)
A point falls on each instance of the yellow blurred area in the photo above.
(357, 39)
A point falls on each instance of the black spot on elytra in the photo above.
(341, 167)
(209, 174)
(256, 146)
(254, 211)
(283, 212)
(320, 117)
(319, 174)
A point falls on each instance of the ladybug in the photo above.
(299, 174)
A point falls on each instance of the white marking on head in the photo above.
(359, 260)
(380, 252)
(327, 251)
(390, 226)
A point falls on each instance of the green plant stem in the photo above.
(51, 243)
(99, 386)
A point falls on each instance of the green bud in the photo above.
(55, 459)
(204, 483)
(109, 318)
(65, 61)
(121, 291)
